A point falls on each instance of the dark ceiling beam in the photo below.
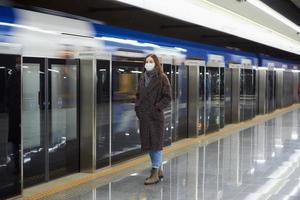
(114, 9)
(178, 26)
(285, 7)
(217, 36)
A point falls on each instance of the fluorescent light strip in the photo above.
(126, 41)
(31, 28)
(205, 13)
(279, 69)
(260, 5)
(136, 72)
(262, 68)
(180, 49)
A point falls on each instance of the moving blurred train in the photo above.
(63, 80)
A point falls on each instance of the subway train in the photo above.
(63, 77)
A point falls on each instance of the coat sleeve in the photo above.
(165, 99)
(137, 94)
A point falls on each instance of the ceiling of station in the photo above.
(243, 8)
(114, 13)
(296, 2)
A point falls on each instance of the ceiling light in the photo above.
(208, 14)
(260, 5)
(31, 28)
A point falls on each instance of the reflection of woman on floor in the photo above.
(153, 95)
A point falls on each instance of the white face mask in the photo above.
(149, 66)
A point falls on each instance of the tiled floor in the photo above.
(261, 162)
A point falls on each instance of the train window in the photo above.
(246, 94)
(63, 121)
(212, 98)
(50, 114)
(170, 71)
(33, 123)
(201, 100)
(125, 129)
(103, 113)
(179, 106)
(10, 120)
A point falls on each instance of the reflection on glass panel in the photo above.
(254, 108)
(180, 103)
(103, 112)
(10, 120)
(201, 101)
(247, 95)
(270, 98)
(33, 121)
(212, 99)
(298, 87)
(125, 127)
(31, 109)
(175, 104)
(222, 103)
(63, 138)
(169, 115)
(287, 88)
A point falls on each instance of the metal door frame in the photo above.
(193, 96)
(169, 60)
(235, 92)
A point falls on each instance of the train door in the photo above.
(103, 110)
(170, 115)
(179, 82)
(247, 95)
(50, 119)
(222, 95)
(10, 120)
(214, 103)
(270, 90)
(257, 86)
(127, 67)
(254, 92)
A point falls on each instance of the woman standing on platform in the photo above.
(153, 95)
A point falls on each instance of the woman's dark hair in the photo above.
(158, 66)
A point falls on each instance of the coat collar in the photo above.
(152, 85)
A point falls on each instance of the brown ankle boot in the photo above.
(160, 174)
(153, 179)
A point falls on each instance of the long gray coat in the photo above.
(150, 102)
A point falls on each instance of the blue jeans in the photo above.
(156, 158)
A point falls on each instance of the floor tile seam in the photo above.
(177, 146)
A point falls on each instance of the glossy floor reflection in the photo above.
(261, 162)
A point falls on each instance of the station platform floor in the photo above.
(253, 160)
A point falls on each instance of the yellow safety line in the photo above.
(182, 144)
